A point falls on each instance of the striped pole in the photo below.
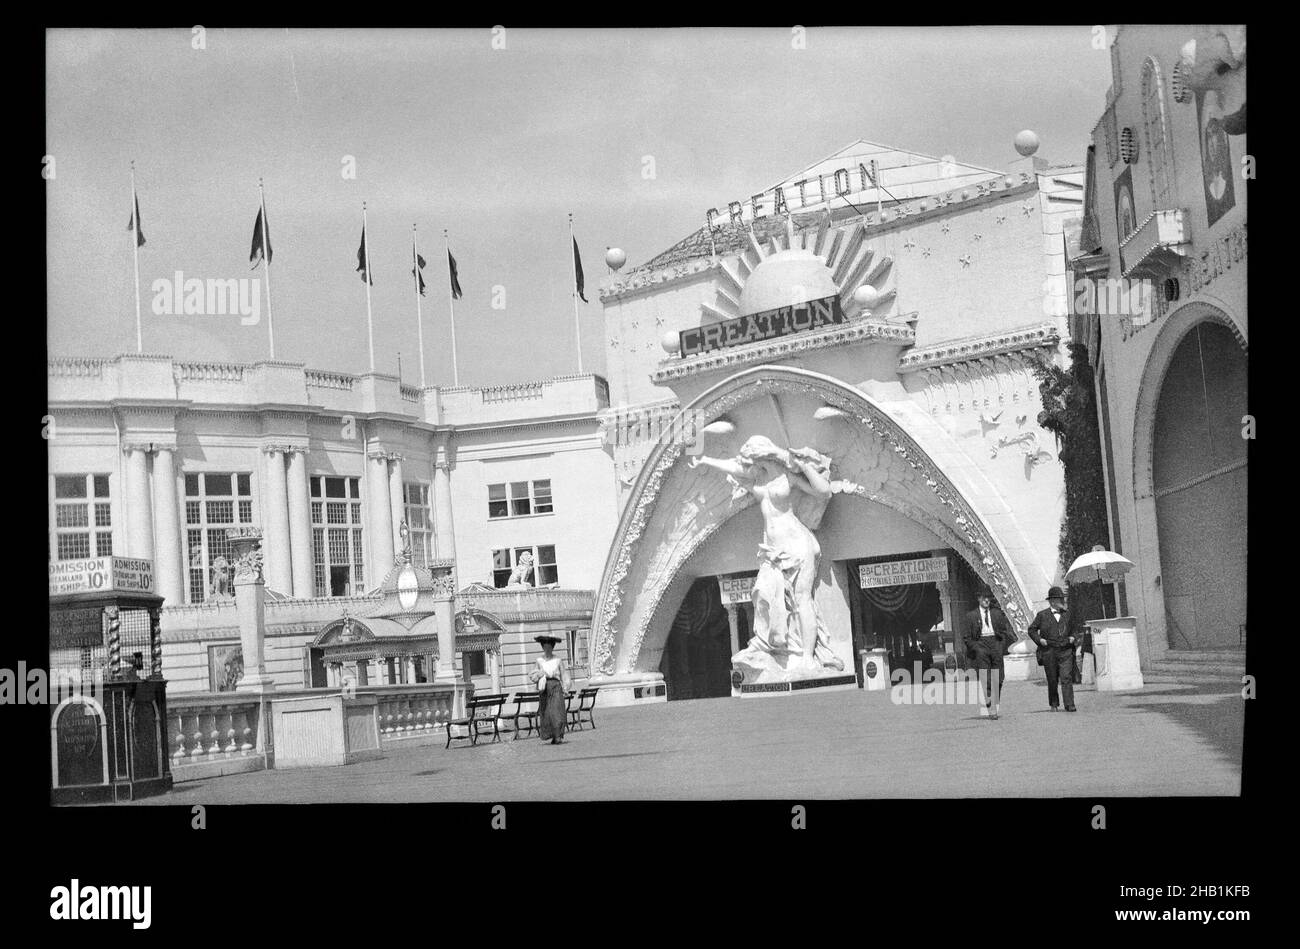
(155, 644)
(114, 642)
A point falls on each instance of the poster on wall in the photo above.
(225, 666)
(1216, 158)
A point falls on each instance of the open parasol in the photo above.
(1099, 565)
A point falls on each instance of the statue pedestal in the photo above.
(1114, 642)
(829, 683)
(630, 688)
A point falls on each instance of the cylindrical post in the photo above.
(112, 614)
(419, 317)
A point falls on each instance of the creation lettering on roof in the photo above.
(860, 173)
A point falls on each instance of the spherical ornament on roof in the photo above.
(866, 296)
(787, 278)
(615, 258)
(671, 342)
(1026, 142)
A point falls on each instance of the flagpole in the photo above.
(577, 328)
(135, 250)
(419, 318)
(266, 265)
(370, 323)
(451, 309)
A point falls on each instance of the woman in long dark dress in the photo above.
(552, 680)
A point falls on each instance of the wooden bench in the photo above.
(526, 707)
(586, 705)
(479, 711)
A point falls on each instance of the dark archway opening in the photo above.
(696, 662)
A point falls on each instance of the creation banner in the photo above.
(770, 324)
(894, 573)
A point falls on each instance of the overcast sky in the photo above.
(498, 146)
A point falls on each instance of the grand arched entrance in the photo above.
(1198, 471)
(901, 480)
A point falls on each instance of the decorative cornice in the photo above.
(980, 347)
(640, 280)
(283, 448)
(785, 346)
(149, 444)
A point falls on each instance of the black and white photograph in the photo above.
(510, 422)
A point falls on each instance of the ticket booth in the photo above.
(107, 695)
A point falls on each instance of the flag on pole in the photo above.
(577, 269)
(416, 271)
(361, 259)
(257, 250)
(455, 280)
(134, 223)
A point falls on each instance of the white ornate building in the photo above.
(924, 396)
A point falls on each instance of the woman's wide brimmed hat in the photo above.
(553, 640)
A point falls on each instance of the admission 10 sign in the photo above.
(101, 575)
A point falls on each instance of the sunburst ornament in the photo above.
(788, 272)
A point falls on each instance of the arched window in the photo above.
(1155, 125)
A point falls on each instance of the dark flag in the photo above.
(416, 271)
(455, 280)
(134, 223)
(257, 250)
(577, 269)
(361, 259)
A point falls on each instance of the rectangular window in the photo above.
(82, 517)
(336, 537)
(415, 500)
(520, 499)
(476, 662)
(214, 502)
(544, 568)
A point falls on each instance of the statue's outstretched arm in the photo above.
(728, 466)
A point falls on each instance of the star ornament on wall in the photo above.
(925, 252)
(979, 237)
(909, 243)
(1000, 219)
(965, 260)
(945, 227)
(1027, 208)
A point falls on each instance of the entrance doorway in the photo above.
(919, 624)
(696, 661)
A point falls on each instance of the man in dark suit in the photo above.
(1051, 631)
(987, 636)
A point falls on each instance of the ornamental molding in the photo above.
(966, 533)
(787, 346)
(149, 445)
(284, 448)
(642, 280)
(380, 454)
(981, 347)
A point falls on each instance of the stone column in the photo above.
(250, 605)
(395, 500)
(380, 521)
(138, 508)
(494, 666)
(300, 525)
(167, 529)
(275, 523)
(443, 533)
(734, 622)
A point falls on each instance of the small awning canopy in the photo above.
(477, 630)
(352, 638)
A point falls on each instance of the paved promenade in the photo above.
(1166, 740)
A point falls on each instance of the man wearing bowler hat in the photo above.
(1051, 631)
(987, 637)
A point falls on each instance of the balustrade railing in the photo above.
(76, 367)
(410, 711)
(209, 372)
(513, 393)
(320, 379)
(213, 726)
(410, 393)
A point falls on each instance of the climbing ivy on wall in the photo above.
(1070, 413)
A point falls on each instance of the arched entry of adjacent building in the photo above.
(1198, 478)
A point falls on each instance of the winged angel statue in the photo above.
(793, 488)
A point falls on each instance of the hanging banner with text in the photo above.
(101, 575)
(895, 573)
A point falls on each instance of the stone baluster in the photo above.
(196, 748)
(214, 733)
(245, 732)
(179, 755)
(228, 719)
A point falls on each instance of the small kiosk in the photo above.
(108, 701)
